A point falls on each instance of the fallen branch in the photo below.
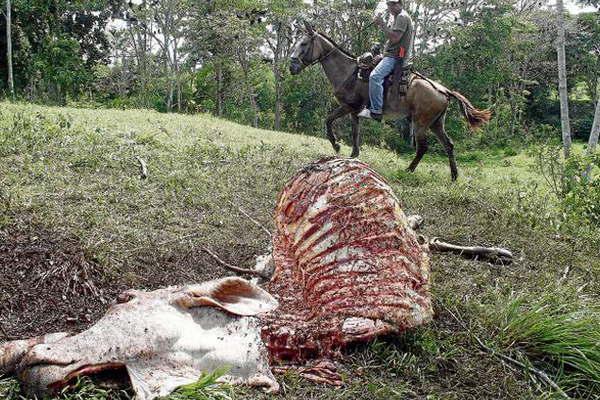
(539, 373)
(494, 254)
(233, 267)
(143, 168)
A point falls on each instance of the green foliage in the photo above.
(562, 336)
(206, 388)
(60, 68)
(55, 44)
(577, 190)
(478, 57)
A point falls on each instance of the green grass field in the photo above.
(70, 183)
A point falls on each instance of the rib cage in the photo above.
(347, 266)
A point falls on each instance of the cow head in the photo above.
(161, 340)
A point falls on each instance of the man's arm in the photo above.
(394, 34)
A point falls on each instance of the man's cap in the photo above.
(393, 1)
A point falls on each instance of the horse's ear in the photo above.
(309, 28)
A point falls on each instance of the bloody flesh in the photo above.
(347, 266)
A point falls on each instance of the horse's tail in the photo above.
(476, 117)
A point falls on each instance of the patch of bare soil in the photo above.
(49, 284)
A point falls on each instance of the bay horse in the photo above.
(425, 103)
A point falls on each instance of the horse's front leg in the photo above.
(355, 136)
(335, 114)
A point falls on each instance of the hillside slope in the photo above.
(78, 225)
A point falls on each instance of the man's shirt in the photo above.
(402, 24)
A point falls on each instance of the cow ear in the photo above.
(234, 295)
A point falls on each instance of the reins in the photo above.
(334, 46)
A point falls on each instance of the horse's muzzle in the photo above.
(295, 66)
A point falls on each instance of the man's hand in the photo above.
(378, 20)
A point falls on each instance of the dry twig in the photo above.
(261, 226)
(234, 268)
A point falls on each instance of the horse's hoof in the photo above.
(354, 155)
(336, 147)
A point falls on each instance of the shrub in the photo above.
(577, 190)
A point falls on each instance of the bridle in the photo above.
(319, 59)
(333, 46)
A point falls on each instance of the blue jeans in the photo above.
(383, 69)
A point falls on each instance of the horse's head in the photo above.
(307, 50)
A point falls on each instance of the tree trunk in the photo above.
(245, 65)
(562, 80)
(277, 105)
(277, 73)
(177, 75)
(594, 136)
(11, 82)
(255, 109)
(219, 79)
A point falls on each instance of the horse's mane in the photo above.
(337, 46)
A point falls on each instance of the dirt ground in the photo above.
(51, 285)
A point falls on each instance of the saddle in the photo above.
(399, 79)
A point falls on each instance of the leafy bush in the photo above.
(571, 181)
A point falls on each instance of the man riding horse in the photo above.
(424, 101)
(399, 34)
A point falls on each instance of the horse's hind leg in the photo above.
(335, 114)
(420, 137)
(438, 128)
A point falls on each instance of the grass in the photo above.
(72, 175)
(206, 388)
(563, 336)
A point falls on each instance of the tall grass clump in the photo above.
(560, 336)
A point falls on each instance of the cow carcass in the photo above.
(347, 268)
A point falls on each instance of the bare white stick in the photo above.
(143, 168)
(489, 253)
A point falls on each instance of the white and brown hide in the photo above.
(161, 340)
